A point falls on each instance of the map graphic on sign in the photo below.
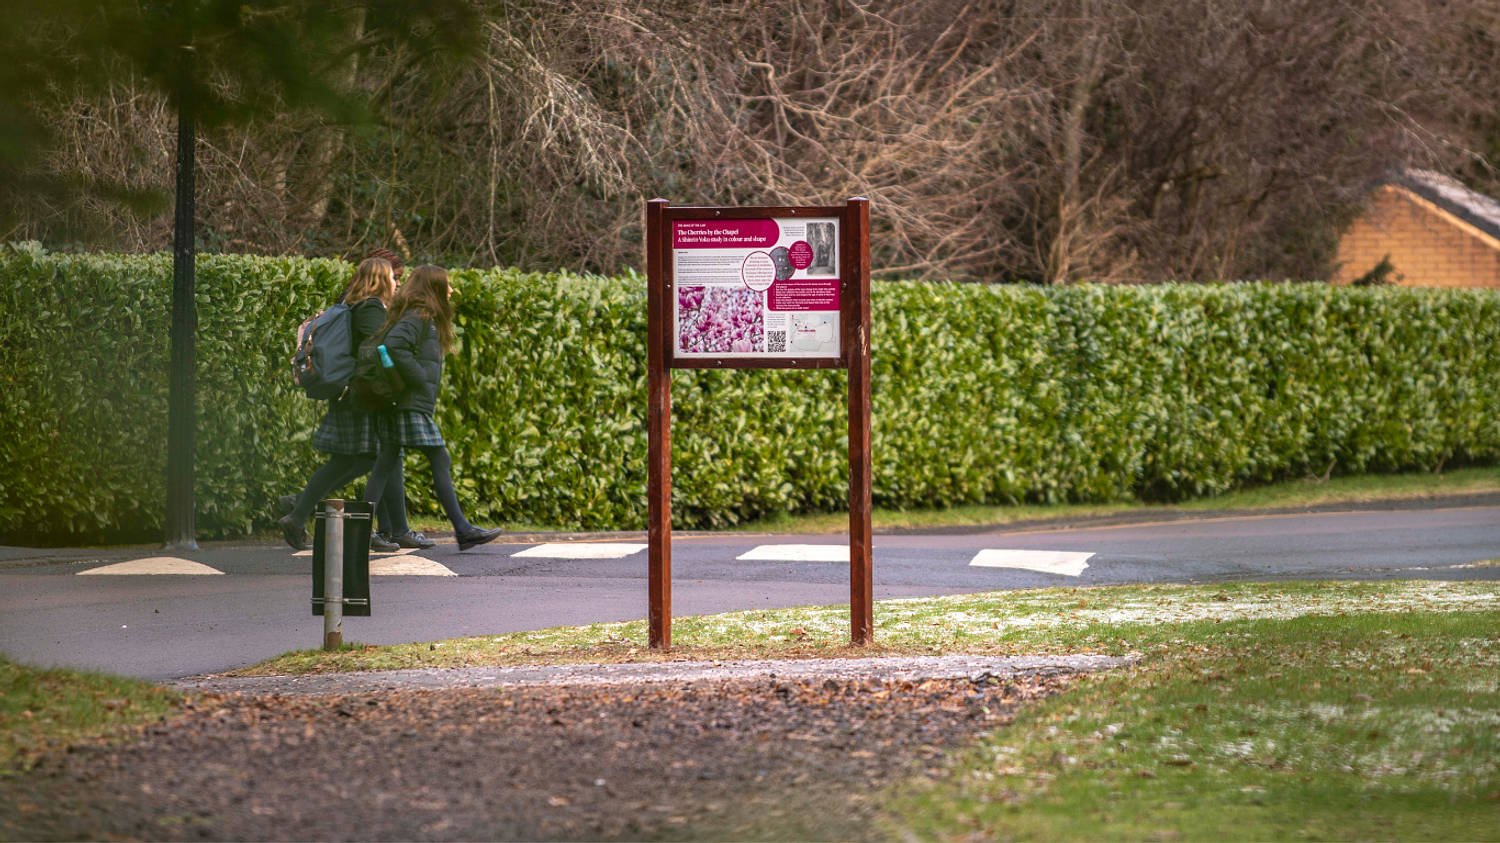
(813, 332)
(756, 287)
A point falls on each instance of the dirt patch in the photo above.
(699, 760)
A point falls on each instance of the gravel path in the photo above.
(656, 752)
(898, 669)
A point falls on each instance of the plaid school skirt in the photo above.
(408, 428)
(346, 432)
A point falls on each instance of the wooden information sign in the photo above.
(757, 288)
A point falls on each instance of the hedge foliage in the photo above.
(982, 394)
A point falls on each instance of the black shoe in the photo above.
(414, 540)
(293, 532)
(288, 503)
(379, 544)
(477, 537)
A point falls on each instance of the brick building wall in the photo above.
(1429, 246)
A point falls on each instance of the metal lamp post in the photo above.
(180, 528)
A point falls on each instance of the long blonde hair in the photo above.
(425, 292)
(374, 278)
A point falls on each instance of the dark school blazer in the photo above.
(414, 348)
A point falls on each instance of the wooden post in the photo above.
(658, 429)
(856, 271)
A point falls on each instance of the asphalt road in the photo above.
(173, 625)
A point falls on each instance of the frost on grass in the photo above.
(980, 618)
(1387, 746)
(1362, 711)
(1029, 620)
(1156, 605)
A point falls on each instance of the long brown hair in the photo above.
(425, 292)
(373, 278)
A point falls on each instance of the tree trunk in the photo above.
(1060, 258)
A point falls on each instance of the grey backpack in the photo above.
(324, 361)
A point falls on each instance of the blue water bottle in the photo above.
(385, 359)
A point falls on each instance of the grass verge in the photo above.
(1382, 726)
(1119, 620)
(1361, 489)
(46, 709)
(1312, 491)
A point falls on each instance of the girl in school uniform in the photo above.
(347, 433)
(419, 325)
(344, 432)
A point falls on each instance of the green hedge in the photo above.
(83, 421)
(982, 394)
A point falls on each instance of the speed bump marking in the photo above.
(1064, 562)
(170, 565)
(797, 553)
(407, 566)
(582, 550)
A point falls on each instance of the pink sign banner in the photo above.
(725, 234)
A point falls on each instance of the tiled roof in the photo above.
(1480, 211)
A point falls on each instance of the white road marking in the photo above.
(582, 550)
(155, 565)
(797, 553)
(1066, 563)
(392, 565)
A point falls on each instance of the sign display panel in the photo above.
(756, 288)
(747, 288)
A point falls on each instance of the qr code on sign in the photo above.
(775, 341)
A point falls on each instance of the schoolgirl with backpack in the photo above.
(323, 367)
(417, 334)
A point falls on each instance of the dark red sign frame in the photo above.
(661, 358)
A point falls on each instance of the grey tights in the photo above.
(388, 468)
